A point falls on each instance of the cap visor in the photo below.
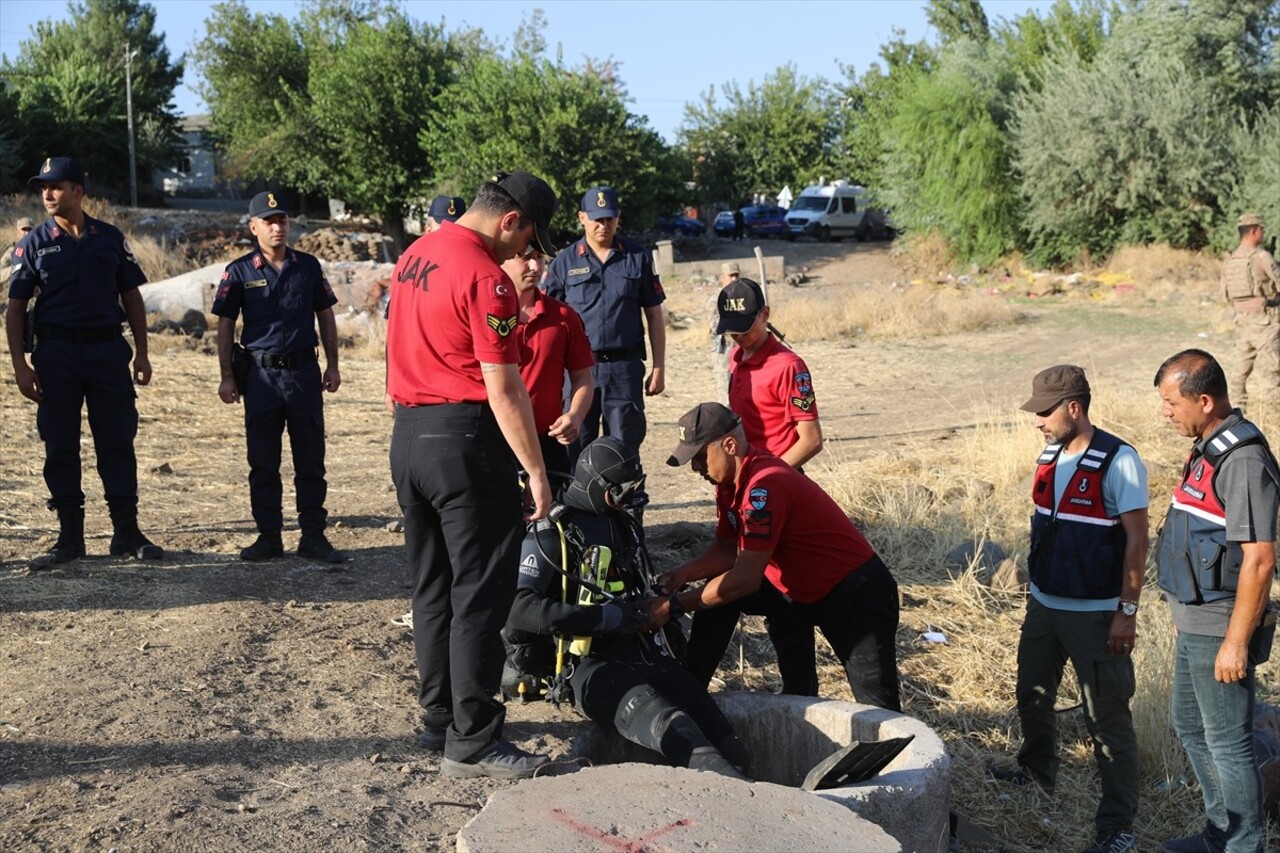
(682, 454)
(601, 213)
(735, 324)
(1039, 404)
(543, 240)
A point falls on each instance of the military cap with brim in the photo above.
(25, 223)
(700, 426)
(739, 303)
(57, 169)
(537, 200)
(267, 204)
(601, 203)
(446, 208)
(1053, 385)
(1249, 220)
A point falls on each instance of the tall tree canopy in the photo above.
(69, 82)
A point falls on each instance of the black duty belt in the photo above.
(75, 335)
(620, 354)
(282, 360)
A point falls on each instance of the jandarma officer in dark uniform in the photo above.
(87, 281)
(610, 282)
(282, 294)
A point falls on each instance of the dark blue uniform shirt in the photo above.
(79, 281)
(279, 308)
(610, 296)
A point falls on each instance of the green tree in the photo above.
(69, 77)
(331, 103)
(958, 19)
(570, 126)
(948, 153)
(776, 134)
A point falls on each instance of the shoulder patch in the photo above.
(804, 404)
(759, 497)
(17, 253)
(804, 384)
(502, 325)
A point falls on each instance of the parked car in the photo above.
(765, 220)
(835, 211)
(723, 225)
(681, 224)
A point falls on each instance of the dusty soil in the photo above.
(205, 703)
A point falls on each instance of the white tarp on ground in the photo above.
(174, 297)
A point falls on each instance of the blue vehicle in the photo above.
(765, 220)
(680, 224)
(723, 226)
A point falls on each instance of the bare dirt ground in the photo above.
(204, 703)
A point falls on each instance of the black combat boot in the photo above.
(126, 539)
(315, 546)
(266, 547)
(70, 544)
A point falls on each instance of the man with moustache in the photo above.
(1216, 558)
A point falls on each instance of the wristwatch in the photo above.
(1128, 608)
(674, 604)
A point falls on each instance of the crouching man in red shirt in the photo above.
(785, 549)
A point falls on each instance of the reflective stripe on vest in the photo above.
(1196, 564)
(1077, 551)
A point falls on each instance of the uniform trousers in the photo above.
(73, 375)
(456, 483)
(617, 408)
(1049, 639)
(858, 618)
(1257, 350)
(275, 400)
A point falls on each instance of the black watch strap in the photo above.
(674, 603)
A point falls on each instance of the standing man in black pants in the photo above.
(453, 373)
(283, 295)
(87, 280)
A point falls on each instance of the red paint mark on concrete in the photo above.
(613, 841)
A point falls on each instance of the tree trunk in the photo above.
(393, 227)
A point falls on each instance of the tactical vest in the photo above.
(1196, 562)
(1077, 550)
(1237, 276)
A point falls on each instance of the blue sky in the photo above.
(669, 52)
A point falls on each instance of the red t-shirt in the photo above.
(773, 507)
(552, 342)
(452, 307)
(771, 392)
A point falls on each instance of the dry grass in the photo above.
(921, 502)
(829, 313)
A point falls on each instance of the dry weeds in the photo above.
(921, 502)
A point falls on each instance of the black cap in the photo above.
(700, 426)
(1053, 385)
(267, 204)
(739, 303)
(56, 169)
(537, 200)
(446, 208)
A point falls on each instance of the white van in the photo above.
(833, 212)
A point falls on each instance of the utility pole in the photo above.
(128, 99)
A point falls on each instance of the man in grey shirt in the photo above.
(1216, 557)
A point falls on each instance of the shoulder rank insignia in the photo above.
(804, 404)
(502, 325)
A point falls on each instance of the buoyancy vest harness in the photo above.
(1077, 550)
(1196, 563)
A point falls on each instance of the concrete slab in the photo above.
(788, 735)
(642, 807)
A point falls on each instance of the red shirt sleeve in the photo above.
(796, 387)
(493, 313)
